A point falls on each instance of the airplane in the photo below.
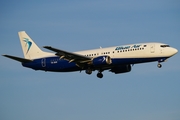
(117, 59)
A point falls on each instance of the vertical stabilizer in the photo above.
(29, 47)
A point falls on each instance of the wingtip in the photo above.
(4, 55)
(46, 46)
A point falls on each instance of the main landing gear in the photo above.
(99, 75)
(89, 71)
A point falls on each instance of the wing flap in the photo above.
(23, 60)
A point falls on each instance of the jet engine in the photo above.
(102, 60)
(121, 69)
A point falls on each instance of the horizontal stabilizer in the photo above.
(17, 58)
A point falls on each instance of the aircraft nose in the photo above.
(175, 51)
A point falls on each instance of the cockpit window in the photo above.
(165, 46)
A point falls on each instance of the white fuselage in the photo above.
(142, 50)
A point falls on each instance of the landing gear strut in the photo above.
(99, 75)
(159, 65)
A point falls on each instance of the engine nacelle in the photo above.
(102, 60)
(121, 69)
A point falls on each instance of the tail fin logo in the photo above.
(28, 44)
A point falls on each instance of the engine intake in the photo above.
(102, 60)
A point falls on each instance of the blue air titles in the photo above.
(128, 47)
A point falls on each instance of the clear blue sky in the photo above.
(146, 93)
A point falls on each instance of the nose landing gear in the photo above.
(159, 62)
(159, 65)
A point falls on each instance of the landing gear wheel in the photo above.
(100, 75)
(159, 65)
(88, 71)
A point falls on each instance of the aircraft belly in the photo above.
(62, 66)
(117, 61)
(56, 65)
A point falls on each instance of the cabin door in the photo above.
(152, 48)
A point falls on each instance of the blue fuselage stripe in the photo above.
(59, 65)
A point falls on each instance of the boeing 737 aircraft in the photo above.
(118, 59)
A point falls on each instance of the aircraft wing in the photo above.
(69, 56)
